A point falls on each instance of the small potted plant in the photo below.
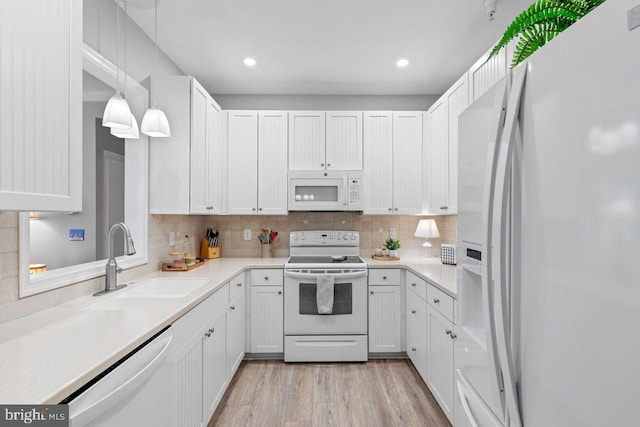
(392, 245)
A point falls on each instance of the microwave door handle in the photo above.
(345, 190)
(337, 276)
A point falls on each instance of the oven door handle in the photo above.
(337, 276)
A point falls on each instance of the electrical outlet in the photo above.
(247, 234)
(172, 238)
(392, 233)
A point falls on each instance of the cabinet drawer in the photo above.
(417, 285)
(441, 301)
(416, 315)
(236, 285)
(384, 276)
(269, 277)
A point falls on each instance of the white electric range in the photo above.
(338, 336)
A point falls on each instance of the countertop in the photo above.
(47, 356)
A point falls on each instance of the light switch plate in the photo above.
(392, 233)
(172, 238)
(247, 234)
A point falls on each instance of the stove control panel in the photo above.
(324, 238)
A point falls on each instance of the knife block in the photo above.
(208, 253)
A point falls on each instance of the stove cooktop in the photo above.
(325, 259)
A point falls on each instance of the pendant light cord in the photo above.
(118, 47)
(125, 48)
(155, 36)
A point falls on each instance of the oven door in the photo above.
(349, 314)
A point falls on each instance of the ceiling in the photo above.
(330, 47)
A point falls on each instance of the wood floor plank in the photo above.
(273, 406)
(377, 393)
(300, 405)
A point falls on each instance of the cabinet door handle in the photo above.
(212, 330)
(259, 209)
(390, 209)
(454, 336)
(253, 209)
(279, 292)
(266, 277)
(413, 349)
(436, 301)
(444, 207)
(371, 292)
(207, 334)
(413, 284)
(413, 312)
(238, 284)
(322, 164)
(328, 165)
(384, 277)
(233, 307)
(448, 332)
(396, 209)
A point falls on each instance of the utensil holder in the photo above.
(265, 250)
(208, 253)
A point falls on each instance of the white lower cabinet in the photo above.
(209, 343)
(214, 372)
(235, 335)
(440, 344)
(416, 316)
(385, 317)
(266, 312)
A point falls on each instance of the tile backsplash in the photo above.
(373, 231)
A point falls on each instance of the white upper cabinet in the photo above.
(344, 140)
(407, 162)
(41, 105)
(329, 140)
(185, 169)
(257, 162)
(307, 140)
(378, 166)
(205, 151)
(441, 157)
(393, 162)
(484, 74)
(272, 166)
(242, 166)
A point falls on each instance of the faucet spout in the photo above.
(112, 269)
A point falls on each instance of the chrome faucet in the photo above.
(112, 269)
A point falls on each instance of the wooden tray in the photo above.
(385, 258)
(181, 266)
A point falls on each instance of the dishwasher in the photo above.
(136, 391)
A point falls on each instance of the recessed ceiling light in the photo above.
(249, 62)
(402, 63)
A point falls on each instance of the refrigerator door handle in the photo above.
(477, 412)
(499, 228)
(487, 244)
(465, 405)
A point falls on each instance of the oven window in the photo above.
(342, 298)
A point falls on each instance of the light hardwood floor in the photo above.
(385, 393)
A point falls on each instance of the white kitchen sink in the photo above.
(147, 295)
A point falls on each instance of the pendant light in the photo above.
(154, 122)
(117, 113)
(132, 132)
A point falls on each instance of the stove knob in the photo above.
(345, 237)
(295, 237)
(353, 237)
(302, 237)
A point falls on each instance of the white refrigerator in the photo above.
(548, 321)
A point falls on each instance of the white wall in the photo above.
(99, 32)
(326, 102)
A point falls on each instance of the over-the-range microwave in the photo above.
(325, 191)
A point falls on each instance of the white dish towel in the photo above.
(324, 293)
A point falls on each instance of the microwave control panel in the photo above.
(354, 191)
